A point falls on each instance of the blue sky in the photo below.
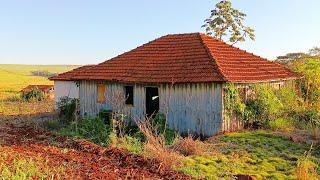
(88, 32)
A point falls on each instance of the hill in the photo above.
(14, 77)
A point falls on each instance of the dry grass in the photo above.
(25, 108)
(189, 146)
(315, 133)
(306, 169)
(155, 146)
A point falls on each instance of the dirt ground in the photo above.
(81, 159)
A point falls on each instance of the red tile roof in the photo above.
(67, 76)
(183, 58)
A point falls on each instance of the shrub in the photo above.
(132, 144)
(92, 129)
(281, 124)
(262, 106)
(34, 95)
(67, 109)
(309, 116)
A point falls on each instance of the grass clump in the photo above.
(92, 129)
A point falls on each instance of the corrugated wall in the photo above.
(193, 108)
(115, 99)
(190, 108)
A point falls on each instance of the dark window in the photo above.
(129, 94)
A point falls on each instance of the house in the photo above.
(47, 90)
(179, 75)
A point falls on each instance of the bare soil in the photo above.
(81, 159)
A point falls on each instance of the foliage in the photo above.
(43, 73)
(130, 143)
(67, 109)
(281, 124)
(232, 101)
(159, 124)
(227, 21)
(310, 116)
(33, 94)
(255, 153)
(92, 129)
(310, 84)
(269, 104)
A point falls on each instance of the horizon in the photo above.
(79, 32)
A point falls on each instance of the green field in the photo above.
(15, 77)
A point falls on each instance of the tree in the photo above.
(315, 51)
(225, 21)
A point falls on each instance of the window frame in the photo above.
(99, 87)
(129, 100)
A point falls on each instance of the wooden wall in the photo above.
(190, 108)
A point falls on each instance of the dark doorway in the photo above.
(152, 101)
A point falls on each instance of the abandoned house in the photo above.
(47, 90)
(179, 75)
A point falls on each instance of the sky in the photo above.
(89, 32)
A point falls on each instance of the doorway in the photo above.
(152, 101)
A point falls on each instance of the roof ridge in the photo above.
(211, 56)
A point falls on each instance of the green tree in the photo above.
(225, 21)
(310, 84)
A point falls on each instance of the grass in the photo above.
(15, 77)
(255, 153)
(26, 108)
(17, 166)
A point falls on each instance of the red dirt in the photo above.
(81, 159)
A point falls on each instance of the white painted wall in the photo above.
(65, 88)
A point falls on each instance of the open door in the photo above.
(152, 101)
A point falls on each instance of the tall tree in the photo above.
(225, 21)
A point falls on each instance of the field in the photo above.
(15, 77)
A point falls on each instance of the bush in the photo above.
(281, 124)
(34, 95)
(67, 109)
(92, 129)
(159, 124)
(309, 116)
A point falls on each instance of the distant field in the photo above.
(14, 77)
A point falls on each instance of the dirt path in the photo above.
(81, 159)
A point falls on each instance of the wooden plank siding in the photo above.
(189, 108)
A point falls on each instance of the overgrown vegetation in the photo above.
(33, 95)
(68, 109)
(92, 129)
(255, 153)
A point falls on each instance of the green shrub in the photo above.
(281, 124)
(232, 102)
(309, 116)
(159, 123)
(262, 106)
(34, 95)
(67, 109)
(92, 129)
